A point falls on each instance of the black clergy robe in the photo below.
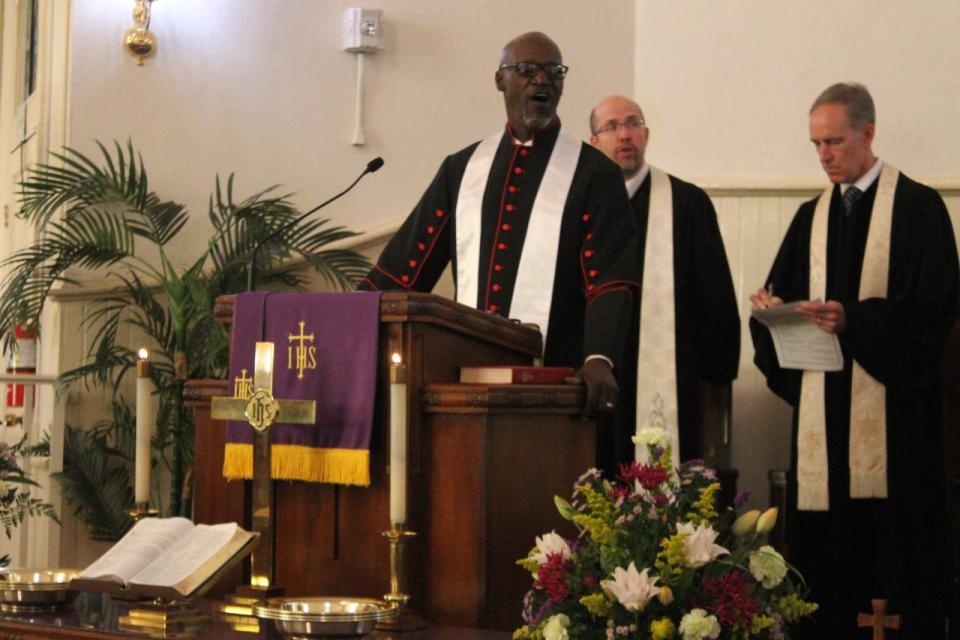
(707, 321)
(595, 273)
(893, 548)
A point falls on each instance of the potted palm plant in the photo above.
(100, 218)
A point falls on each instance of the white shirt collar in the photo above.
(866, 179)
(634, 183)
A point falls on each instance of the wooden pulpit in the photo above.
(484, 465)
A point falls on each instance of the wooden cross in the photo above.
(877, 620)
(262, 410)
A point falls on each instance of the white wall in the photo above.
(262, 88)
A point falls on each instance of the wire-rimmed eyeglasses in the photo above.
(630, 124)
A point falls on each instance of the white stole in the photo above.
(868, 416)
(533, 288)
(657, 362)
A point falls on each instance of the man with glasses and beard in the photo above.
(536, 224)
(685, 325)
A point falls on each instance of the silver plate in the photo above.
(325, 617)
(32, 590)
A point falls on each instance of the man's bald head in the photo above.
(619, 130)
(532, 38)
(530, 76)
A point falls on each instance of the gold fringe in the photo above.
(293, 462)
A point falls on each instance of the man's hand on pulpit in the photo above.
(602, 390)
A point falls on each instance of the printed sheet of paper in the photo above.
(800, 344)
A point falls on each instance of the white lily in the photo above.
(698, 546)
(633, 589)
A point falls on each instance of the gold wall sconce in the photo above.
(139, 41)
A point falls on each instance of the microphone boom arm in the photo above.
(372, 166)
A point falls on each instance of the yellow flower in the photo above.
(662, 629)
(525, 633)
(597, 604)
(598, 529)
(705, 507)
(792, 607)
(600, 523)
(766, 522)
(746, 523)
(665, 596)
(759, 623)
(671, 561)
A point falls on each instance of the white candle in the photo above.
(398, 440)
(145, 420)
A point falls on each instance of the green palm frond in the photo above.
(81, 182)
(93, 238)
(238, 227)
(97, 487)
(22, 507)
(159, 222)
(146, 312)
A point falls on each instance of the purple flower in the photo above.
(527, 611)
(742, 497)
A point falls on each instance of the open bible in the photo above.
(169, 558)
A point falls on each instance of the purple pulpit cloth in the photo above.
(325, 349)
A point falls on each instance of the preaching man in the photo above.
(535, 224)
(874, 259)
(685, 325)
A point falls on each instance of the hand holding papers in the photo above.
(799, 342)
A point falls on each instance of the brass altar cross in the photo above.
(877, 620)
(261, 410)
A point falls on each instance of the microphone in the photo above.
(372, 166)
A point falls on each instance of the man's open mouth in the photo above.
(542, 97)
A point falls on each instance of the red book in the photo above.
(515, 375)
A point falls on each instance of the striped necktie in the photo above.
(850, 197)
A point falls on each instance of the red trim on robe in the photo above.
(423, 261)
(629, 285)
(496, 234)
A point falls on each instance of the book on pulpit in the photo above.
(514, 375)
(169, 558)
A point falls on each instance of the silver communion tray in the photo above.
(325, 617)
(33, 590)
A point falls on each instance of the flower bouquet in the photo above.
(655, 559)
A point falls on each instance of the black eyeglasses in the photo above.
(531, 69)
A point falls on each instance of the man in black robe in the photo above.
(705, 327)
(534, 223)
(891, 545)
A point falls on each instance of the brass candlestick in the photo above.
(406, 620)
(142, 510)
